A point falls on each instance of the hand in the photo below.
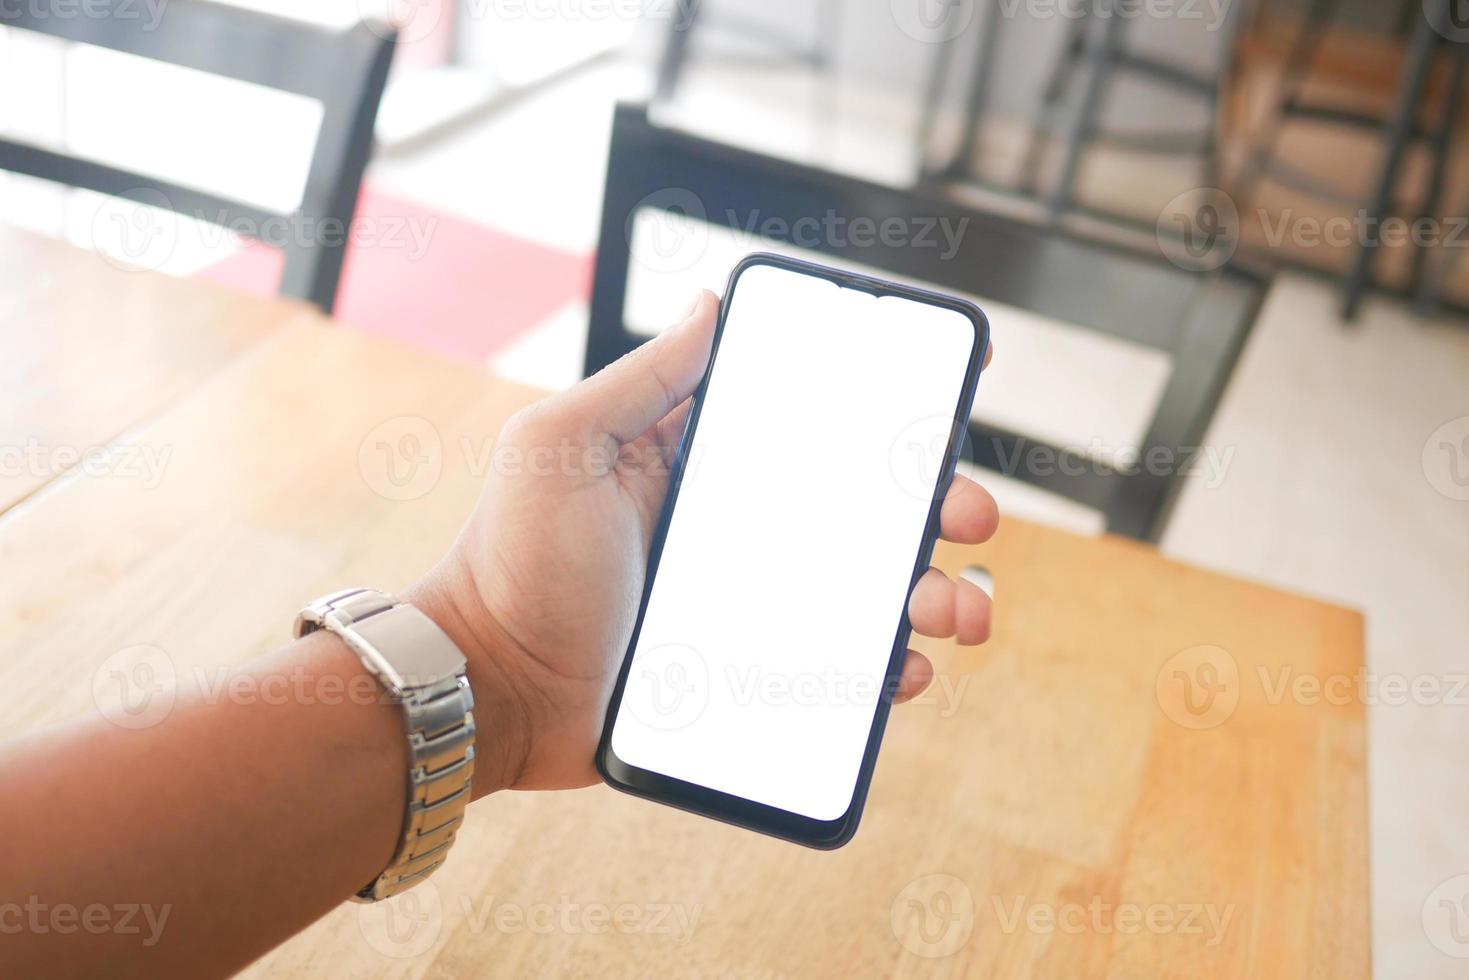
(542, 588)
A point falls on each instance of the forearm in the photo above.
(230, 823)
(246, 813)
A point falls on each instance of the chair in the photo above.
(1428, 29)
(677, 49)
(344, 70)
(1096, 50)
(1201, 320)
(1437, 28)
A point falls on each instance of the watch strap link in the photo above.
(425, 672)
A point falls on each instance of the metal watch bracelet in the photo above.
(425, 672)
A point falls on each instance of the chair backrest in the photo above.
(1201, 320)
(345, 70)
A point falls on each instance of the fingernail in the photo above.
(698, 298)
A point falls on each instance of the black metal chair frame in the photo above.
(344, 70)
(1399, 129)
(678, 46)
(1095, 46)
(1201, 320)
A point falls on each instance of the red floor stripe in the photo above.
(432, 279)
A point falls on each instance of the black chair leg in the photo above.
(1425, 288)
(1395, 138)
(675, 53)
(979, 91)
(1052, 98)
(933, 97)
(1314, 28)
(1101, 55)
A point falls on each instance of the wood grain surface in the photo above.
(89, 349)
(1130, 780)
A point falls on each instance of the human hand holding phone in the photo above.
(542, 589)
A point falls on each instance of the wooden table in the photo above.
(1114, 786)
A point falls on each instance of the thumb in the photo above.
(630, 395)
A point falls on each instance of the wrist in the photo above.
(501, 720)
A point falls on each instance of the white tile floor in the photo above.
(1341, 487)
(1341, 482)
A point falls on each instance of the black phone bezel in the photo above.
(725, 807)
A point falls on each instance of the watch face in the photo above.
(399, 644)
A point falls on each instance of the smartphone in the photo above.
(803, 505)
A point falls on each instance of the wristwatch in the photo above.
(423, 671)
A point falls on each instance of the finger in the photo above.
(989, 354)
(969, 515)
(627, 397)
(942, 608)
(669, 429)
(657, 448)
(931, 606)
(972, 611)
(914, 680)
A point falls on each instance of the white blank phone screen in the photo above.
(785, 570)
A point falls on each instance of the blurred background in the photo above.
(1221, 244)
